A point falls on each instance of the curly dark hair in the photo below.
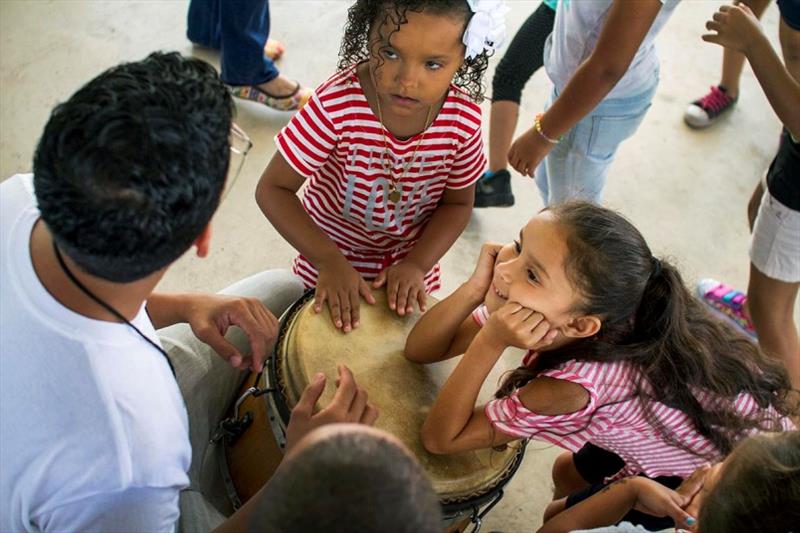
(364, 14)
(651, 320)
(130, 169)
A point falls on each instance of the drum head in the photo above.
(403, 391)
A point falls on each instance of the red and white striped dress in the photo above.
(615, 420)
(335, 141)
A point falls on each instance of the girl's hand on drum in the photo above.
(405, 284)
(481, 278)
(341, 286)
(518, 326)
(210, 316)
(349, 405)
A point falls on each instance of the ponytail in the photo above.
(651, 320)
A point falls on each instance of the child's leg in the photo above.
(732, 61)
(705, 111)
(775, 265)
(771, 304)
(553, 508)
(566, 478)
(524, 56)
(591, 465)
(577, 166)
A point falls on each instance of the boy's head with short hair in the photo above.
(131, 168)
(348, 477)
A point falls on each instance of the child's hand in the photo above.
(481, 278)
(736, 27)
(405, 283)
(349, 405)
(655, 499)
(708, 476)
(518, 326)
(341, 286)
(528, 151)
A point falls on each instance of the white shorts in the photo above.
(775, 247)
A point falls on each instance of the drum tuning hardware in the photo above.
(231, 428)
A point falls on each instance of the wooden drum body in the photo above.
(403, 392)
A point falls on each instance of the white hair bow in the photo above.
(487, 27)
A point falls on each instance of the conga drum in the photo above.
(468, 484)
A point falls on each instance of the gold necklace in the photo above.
(395, 193)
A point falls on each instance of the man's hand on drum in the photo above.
(349, 405)
(518, 326)
(210, 316)
(405, 284)
(481, 278)
(341, 286)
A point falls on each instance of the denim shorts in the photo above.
(577, 166)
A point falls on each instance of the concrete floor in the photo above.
(687, 191)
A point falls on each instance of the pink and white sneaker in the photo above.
(726, 302)
(705, 111)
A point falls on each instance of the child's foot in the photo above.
(705, 111)
(494, 190)
(727, 303)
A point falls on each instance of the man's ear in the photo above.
(582, 327)
(203, 242)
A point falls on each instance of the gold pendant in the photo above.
(395, 195)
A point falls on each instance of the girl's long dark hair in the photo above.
(364, 15)
(651, 320)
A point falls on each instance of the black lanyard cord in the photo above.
(107, 307)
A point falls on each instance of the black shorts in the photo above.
(790, 13)
(594, 464)
(782, 176)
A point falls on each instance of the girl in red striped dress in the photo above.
(390, 149)
(625, 369)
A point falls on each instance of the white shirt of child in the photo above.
(93, 429)
(575, 33)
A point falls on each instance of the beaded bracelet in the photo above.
(537, 125)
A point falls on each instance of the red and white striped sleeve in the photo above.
(469, 163)
(481, 315)
(308, 139)
(510, 416)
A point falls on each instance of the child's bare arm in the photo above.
(405, 281)
(338, 284)
(448, 328)
(737, 28)
(611, 504)
(454, 423)
(626, 26)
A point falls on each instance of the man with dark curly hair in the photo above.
(94, 432)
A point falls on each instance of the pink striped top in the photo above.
(337, 143)
(614, 420)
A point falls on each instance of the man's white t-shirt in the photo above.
(577, 28)
(93, 429)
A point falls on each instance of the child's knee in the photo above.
(563, 469)
(553, 508)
